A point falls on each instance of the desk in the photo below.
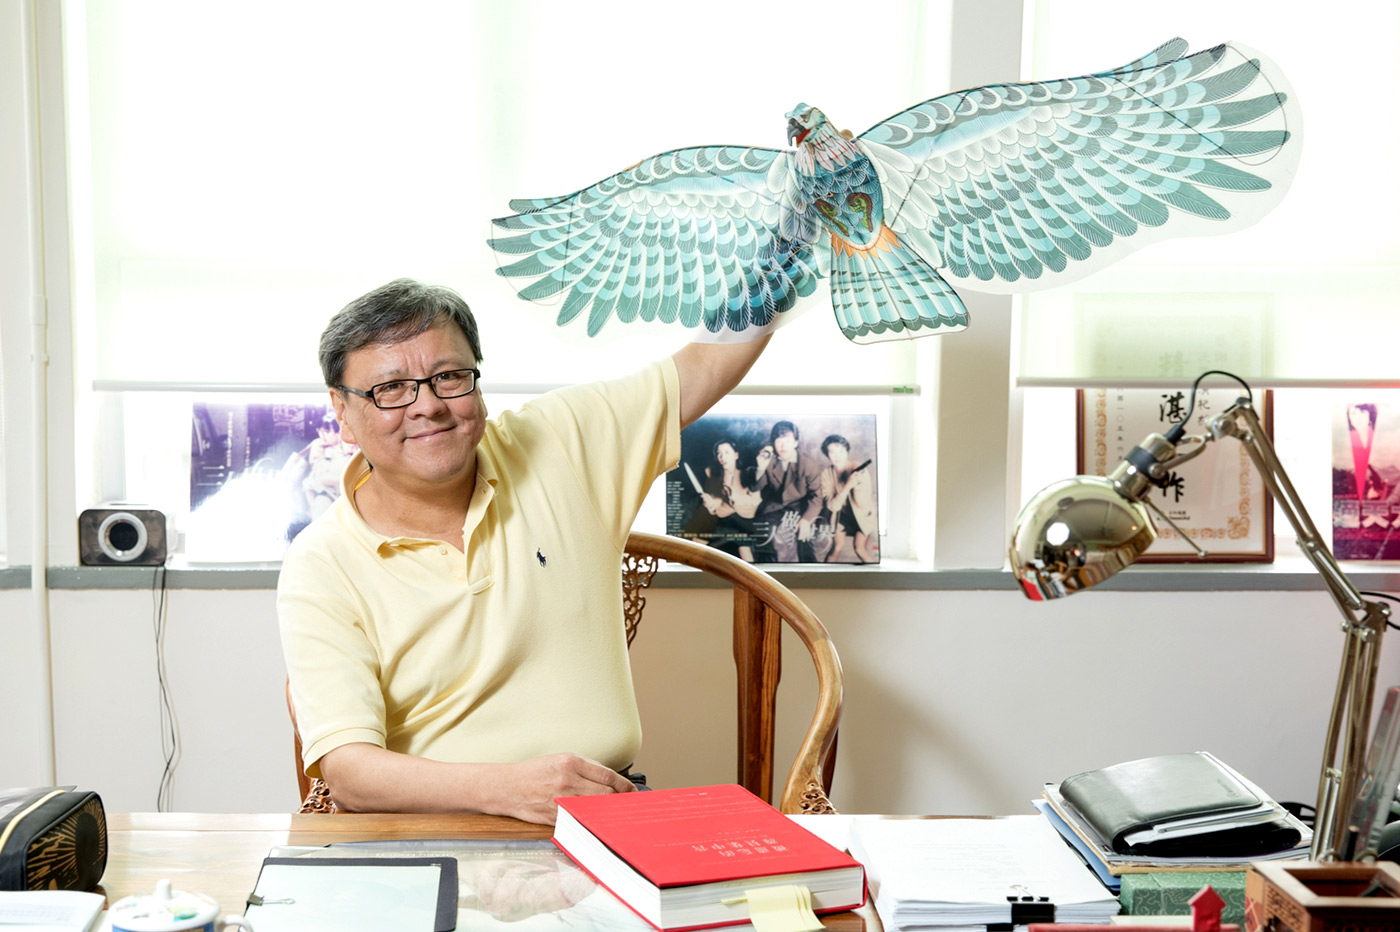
(220, 854)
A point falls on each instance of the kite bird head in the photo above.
(802, 120)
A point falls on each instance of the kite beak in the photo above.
(796, 132)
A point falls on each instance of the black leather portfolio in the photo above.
(1179, 805)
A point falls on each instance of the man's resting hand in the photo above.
(529, 787)
(366, 778)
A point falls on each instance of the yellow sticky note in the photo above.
(782, 909)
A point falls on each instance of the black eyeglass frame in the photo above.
(417, 383)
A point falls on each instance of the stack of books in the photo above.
(1173, 812)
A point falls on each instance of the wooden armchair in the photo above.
(761, 606)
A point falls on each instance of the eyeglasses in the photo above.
(401, 393)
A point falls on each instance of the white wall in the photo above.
(21, 733)
(225, 674)
(956, 702)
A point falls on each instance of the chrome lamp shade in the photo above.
(1075, 534)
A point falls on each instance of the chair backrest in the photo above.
(761, 606)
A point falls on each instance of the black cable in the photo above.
(1388, 598)
(169, 732)
(1179, 429)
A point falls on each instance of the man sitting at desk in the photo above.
(452, 626)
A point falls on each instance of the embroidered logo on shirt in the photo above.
(540, 556)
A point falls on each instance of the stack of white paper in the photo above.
(49, 910)
(949, 873)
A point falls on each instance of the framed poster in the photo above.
(779, 488)
(1366, 481)
(1218, 498)
(259, 473)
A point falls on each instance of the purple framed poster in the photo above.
(259, 473)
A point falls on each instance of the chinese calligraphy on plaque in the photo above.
(1218, 499)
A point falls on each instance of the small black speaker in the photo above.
(118, 534)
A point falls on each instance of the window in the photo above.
(1286, 299)
(231, 184)
(236, 177)
(1301, 301)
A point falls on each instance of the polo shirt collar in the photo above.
(355, 472)
(358, 469)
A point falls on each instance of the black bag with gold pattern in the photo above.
(51, 838)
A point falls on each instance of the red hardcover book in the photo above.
(676, 856)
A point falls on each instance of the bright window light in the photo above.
(238, 175)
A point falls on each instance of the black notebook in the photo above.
(1179, 805)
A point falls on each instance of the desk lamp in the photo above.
(1078, 532)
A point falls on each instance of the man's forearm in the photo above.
(367, 778)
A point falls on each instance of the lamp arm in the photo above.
(1364, 624)
(1241, 422)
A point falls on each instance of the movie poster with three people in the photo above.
(778, 488)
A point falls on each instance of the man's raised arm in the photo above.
(709, 371)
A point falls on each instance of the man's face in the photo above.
(429, 444)
(838, 455)
(786, 446)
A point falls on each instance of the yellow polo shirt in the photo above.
(515, 648)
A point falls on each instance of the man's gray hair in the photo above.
(392, 313)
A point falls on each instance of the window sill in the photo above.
(1286, 574)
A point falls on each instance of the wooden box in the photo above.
(1322, 896)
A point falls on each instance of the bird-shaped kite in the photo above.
(1003, 188)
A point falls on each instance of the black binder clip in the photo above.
(1042, 910)
(1026, 909)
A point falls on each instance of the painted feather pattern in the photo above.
(1004, 188)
